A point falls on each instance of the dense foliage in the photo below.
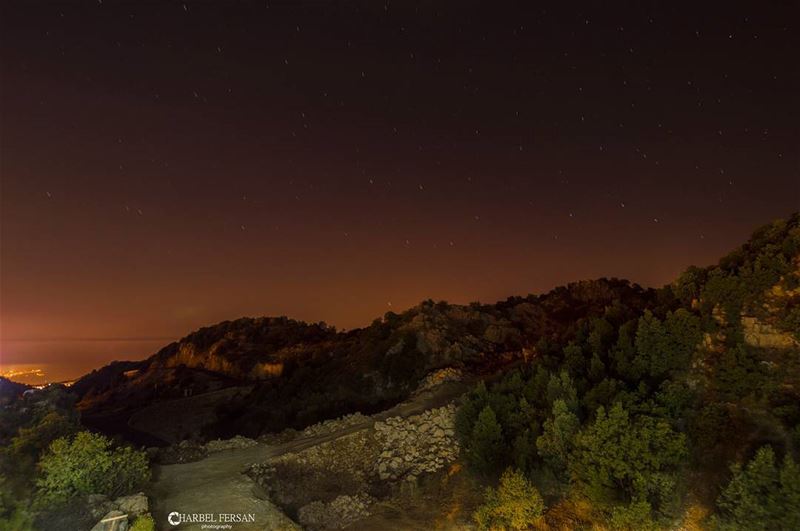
(638, 401)
(47, 460)
(761, 495)
(87, 464)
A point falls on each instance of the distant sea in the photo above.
(55, 360)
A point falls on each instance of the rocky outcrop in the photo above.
(133, 505)
(764, 335)
(416, 445)
(448, 374)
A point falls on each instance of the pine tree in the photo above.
(761, 496)
(486, 448)
(558, 438)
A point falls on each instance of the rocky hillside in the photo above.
(299, 373)
(292, 374)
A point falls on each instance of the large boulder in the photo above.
(99, 505)
(133, 505)
(112, 521)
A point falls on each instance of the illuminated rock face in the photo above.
(764, 335)
(416, 445)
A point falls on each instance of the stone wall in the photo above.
(333, 483)
(416, 445)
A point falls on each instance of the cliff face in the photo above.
(243, 349)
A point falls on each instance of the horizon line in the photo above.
(88, 339)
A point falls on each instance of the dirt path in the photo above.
(217, 484)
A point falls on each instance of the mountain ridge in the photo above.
(307, 372)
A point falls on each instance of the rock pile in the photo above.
(337, 514)
(416, 445)
(233, 443)
(119, 513)
(332, 425)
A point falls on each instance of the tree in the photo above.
(738, 373)
(761, 495)
(623, 353)
(558, 439)
(468, 413)
(688, 286)
(619, 459)
(574, 361)
(485, 450)
(523, 451)
(86, 464)
(668, 346)
(601, 335)
(561, 387)
(515, 504)
(597, 369)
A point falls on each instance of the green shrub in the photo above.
(622, 459)
(144, 523)
(86, 464)
(514, 504)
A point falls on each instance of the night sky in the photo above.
(167, 165)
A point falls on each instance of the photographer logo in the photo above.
(210, 520)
